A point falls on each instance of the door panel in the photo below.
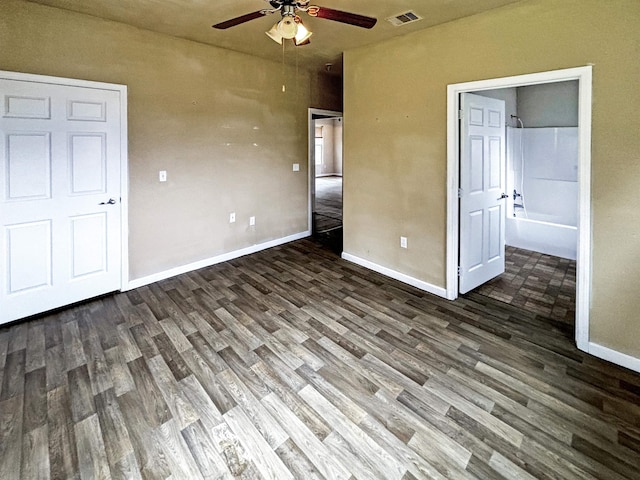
(60, 238)
(496, 172)
(475, 232)
(29, 256)
(19, 106)
(476, 162)
(482, 183)
(87, 111)
(88, 242)
(494, 249)
(87, 163)
(28, 174)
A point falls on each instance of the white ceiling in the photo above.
(192, 20)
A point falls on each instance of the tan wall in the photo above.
(216, 120)
(328, 150)
(326, 91)
(337, 145)
(395, 138)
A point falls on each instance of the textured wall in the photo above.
(549, 105)
(216, 120)
(395, 138)
(328, 153)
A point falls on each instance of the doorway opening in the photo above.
(541, 181)
(325, 177)
(582, 76)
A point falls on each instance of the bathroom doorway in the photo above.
(583, 254)
(542, 204)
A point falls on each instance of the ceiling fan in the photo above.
(290, 27)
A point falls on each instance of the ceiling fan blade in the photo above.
(241, 19)
(343, 17)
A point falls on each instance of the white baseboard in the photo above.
(613, 356)
(414, 282)
(207, 262)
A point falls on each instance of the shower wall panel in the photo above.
(542, 166)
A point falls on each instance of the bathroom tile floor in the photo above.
(537, 282)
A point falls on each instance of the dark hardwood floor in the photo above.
(292, 363)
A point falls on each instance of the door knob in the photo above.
(110, 202)
(503, 196)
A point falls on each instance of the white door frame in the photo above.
(311, 156)
(583, 265)
(124, 173)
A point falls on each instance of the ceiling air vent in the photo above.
(404, 18)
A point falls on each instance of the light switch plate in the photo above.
(296, 167)
(162, 176)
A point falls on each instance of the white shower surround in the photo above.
(549, 188)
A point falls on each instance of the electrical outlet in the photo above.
(252, 221)
(232, 217)
(403, 242)
(162, 175)
(296, 167)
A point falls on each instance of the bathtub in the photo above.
(542, 236)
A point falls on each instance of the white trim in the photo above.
(207, 262)
(583, 260)
(124, 150)
(613, 356)
(311, 154)
(583, 280)
(414, 282)
(124, 187)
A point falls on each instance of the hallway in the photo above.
(327, 213)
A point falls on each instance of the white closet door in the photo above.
(60, 214)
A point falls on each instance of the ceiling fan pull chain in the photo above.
(284, 76)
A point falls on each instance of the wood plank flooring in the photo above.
(327, 212)
(294, 364)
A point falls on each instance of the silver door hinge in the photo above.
(459, 193)
(459, 270)
(460, 114)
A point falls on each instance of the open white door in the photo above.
(482, 196)
(60, 198)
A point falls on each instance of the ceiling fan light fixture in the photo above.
(287, 27)
(274, 34)
(302, 35)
